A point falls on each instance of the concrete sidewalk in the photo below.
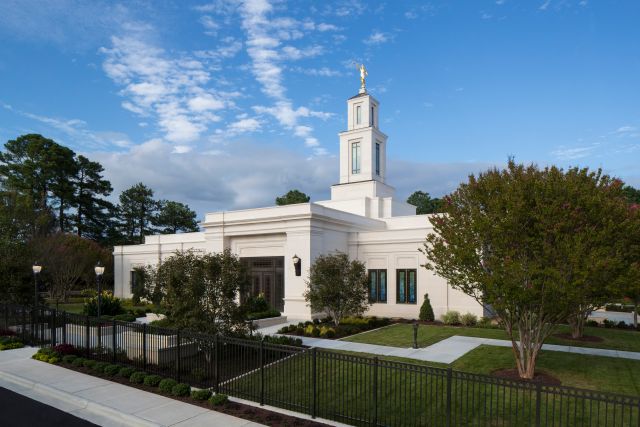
(446, 351)
(101, 401)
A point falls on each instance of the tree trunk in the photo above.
(577, 326)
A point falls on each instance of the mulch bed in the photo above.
(584, 338)
(539, 377)
(240, 410)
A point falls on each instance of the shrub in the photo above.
(592, 323)
(166, 385)
(218, 399)
(152, 380)
(111, 370)
(256, 304)
(137, 377)
(69, 358)
(181, 389)
(201, 394)
(263, 314)
(78, 362)
(110, 305)
(10, 343)
(299, 330)
(127, 317)
(468, 319)
(608, 323)
(126, 372)
(88, 363)
(622, 325)
(284, 330)
(426, 311)
(99, 367)
(485, 322)
(66, 349)
(6, 332)
(327, 332)
(451, 317)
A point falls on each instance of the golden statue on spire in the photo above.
(363, 74)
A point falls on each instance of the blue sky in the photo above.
(227, 104)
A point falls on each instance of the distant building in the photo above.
(362, 219)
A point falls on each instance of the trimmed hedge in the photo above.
(112, 370)
(166, 385)
(201, 394)
(137, 377)
(181, 389)
(99, 367)
(88, 363)
(218, 399)
(78, 362)
(126, 372)
(69, 358)
(152, 380)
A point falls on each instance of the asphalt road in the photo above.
(19, 411)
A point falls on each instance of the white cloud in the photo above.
(210, 25)
(377, 37)
(181, 149)
(574, 153)
(174, 91)
(244, 126)
(545, 5)
(321, 72)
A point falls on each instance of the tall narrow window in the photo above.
(355, 157)
(406, 286)
(378, 158)
(372, 119)
(378, 286)
(358, 114)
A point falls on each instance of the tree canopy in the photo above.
(424, 203)
(174, 217)
(537, 245)
(292, 197)
(337, 286)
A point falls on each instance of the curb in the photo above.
(70, 398)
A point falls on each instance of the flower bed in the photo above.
(327, 329)
(9, 340)
(170, 388)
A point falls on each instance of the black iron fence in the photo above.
(334, 385)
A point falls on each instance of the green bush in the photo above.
(426, 311)
(166, 385)
(263, 314)
(327, 332)
(486, 322)
(255, 304)
(78, 362)
(469, 319)
(201, 394)
(592, 323)
(69, 358)
(451, 317)
(99, 367)
(181, 389)
(53, 360)
(11, 345)
(111, 370)
(152, 380)
(137, 377)
(110, 305)
(88, 363)
(218, 399)
(127, 317)
(126, 372)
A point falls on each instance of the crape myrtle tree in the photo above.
(337, 286)
(292, 197)
(631, 280)
(200, 291)
(535, 244)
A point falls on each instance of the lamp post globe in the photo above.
(36, 268)
(99, 270)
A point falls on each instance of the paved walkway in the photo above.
(445, 351)
(100, 401)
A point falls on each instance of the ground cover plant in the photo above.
(10, 342)
(326, 328)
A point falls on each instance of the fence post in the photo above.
(144, 346)
(314, 373)
(54, 328)
(64, 327)
(538, 402)
(178, 364)
(449, 380)
(216, 343)
(24, 324)
(375, 391)
(87, 337)
(261, 372)
(113, 340)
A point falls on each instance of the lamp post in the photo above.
(36, 268)
(99, 269)
(415, 334)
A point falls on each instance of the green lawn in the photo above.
(401, 335)
(416, 396)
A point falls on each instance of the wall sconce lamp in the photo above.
(297, 263)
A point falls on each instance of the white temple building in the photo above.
(362, 219)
